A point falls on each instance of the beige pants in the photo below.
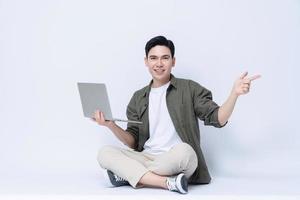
(132, 165)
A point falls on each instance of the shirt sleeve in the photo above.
(204, 106)
(132, 114)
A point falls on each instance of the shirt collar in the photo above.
(173, 83)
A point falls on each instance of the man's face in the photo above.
(160, 63)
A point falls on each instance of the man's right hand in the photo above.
(125, 137)
(100, 119)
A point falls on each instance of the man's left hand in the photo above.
(243, 83)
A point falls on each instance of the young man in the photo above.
(165, 149)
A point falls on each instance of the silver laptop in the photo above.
(94, 97)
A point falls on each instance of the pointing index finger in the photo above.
(255, 77)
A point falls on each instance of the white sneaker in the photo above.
(178, 183)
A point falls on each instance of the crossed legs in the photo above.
(146, 170)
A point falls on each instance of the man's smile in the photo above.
(159, 71)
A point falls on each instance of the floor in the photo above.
(92, 184)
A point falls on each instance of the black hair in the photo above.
(162, 41)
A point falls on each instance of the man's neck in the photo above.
(157, 83)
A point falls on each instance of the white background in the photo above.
(46, 47)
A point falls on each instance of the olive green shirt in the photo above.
(186, 102)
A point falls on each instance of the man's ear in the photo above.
(173, 61)
(146, 61)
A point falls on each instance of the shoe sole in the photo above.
(182, 183)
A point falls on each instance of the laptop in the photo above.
(94, 97)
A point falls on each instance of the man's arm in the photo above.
(241, 86)
(125, 137)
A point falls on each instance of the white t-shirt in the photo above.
(162, 136)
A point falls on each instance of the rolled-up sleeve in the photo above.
(132, 114)
(204, 106)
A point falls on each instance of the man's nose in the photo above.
(159, 63)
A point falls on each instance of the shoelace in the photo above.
(118, 178)
(171, 184)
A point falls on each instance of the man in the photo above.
(164, 151)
